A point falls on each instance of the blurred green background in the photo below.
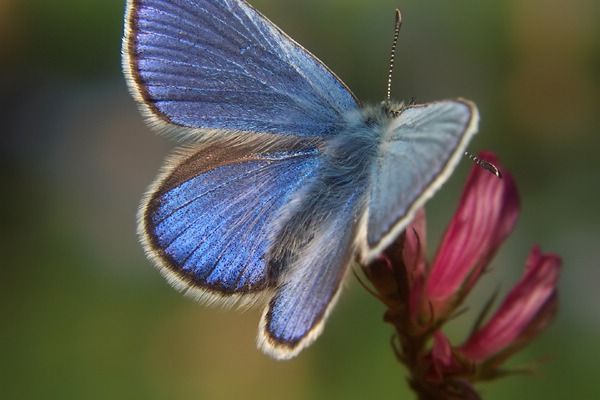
(85, 316)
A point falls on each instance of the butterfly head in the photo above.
(391, 108)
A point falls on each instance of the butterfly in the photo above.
(285, 178)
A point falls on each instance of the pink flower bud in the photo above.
(486, 215)
(525, 312)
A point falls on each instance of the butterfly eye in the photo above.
(392, 110)
(395, 112)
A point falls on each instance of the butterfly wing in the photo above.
(418, 153)
(220, 66)
(211, 217)
(308, 291)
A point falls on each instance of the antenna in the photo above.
(393, 53)
(488, 166)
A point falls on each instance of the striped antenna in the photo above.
(393, 54)
(488, 166)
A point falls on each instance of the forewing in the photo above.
(219, 65)
(418, 153)
(209, 221)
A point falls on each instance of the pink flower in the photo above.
(420, 297)
(486, 215)
(525, 312)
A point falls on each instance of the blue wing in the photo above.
(295, 315)
(314, 252)
(211, 218)
(418, 153)
(220, 65)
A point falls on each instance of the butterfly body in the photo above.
(285, 178)
(347, 159)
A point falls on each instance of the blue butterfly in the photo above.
(286, 179)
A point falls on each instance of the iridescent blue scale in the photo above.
(192, 222)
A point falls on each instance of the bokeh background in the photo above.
(85, 316)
